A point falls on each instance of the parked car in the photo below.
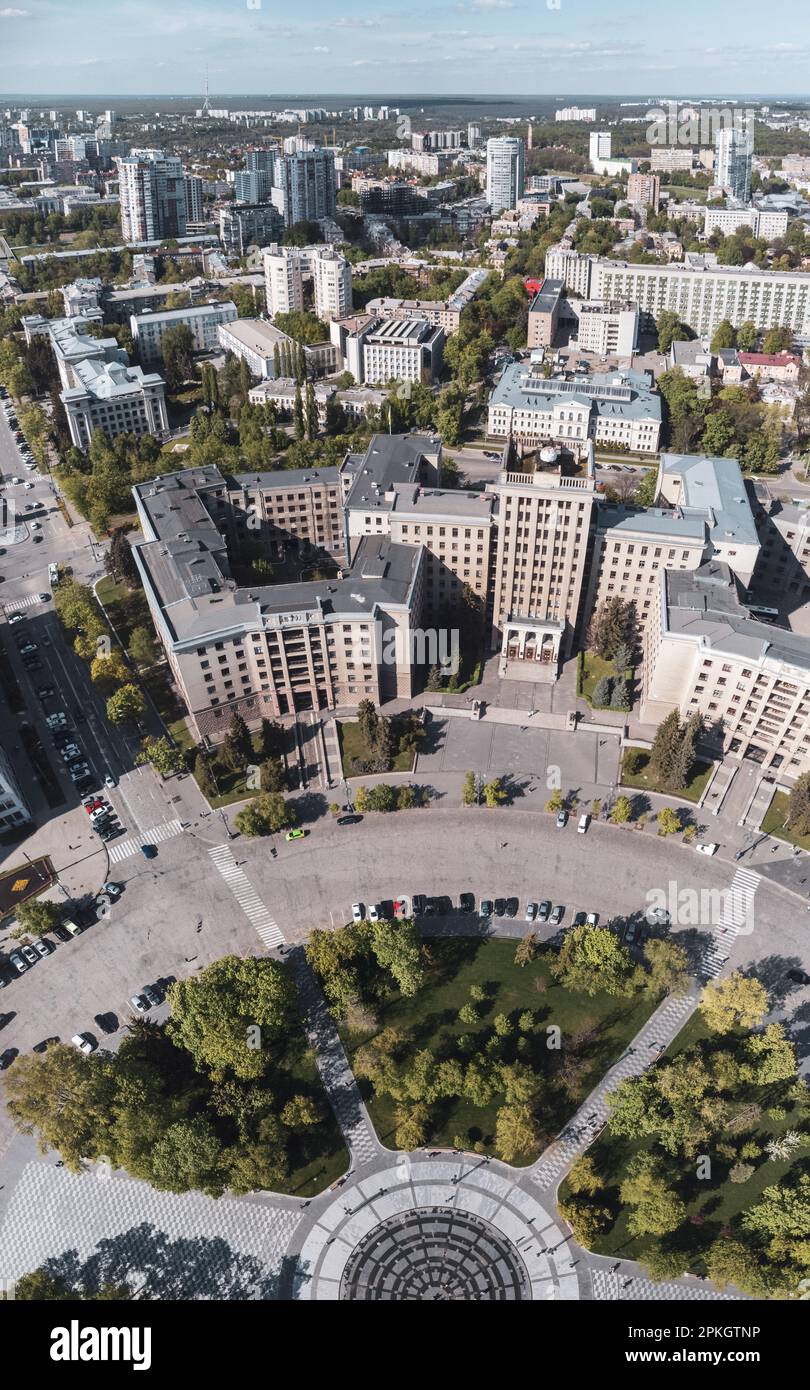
(109, 781)
(707, 849)
(7, 1057)
(562, 819)
(19, 962)
(358, 915)
(557, 914)
(373, 913)
(584, 822)
(500, 907)
(140, 1003)
(30, 954)
(592, 919)
(106, 1023)
(84, 1042)
(152, 995)
(531, 912)
(297, 834)
(512, 906)
(486, 908)
(43, 946)
(113, 890)
(418, 904)
(348, 820)
(544, 911)
(466, 902)
(45, 692)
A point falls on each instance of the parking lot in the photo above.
(510, 750)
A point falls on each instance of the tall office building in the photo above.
(505, 171)
(251, 185)
(734, 153)
(193, 190)
(600, 146)
(153, 195)
(304, 186)
(261, 159)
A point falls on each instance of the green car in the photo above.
(295, 834)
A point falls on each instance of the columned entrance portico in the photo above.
(530, 649)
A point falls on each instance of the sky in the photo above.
(675, 48)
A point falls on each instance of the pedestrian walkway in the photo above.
(27, 602)
(333, 770)
(333, 1065)
(166, 831)
(736, 919)
(616, 1287)
(654, 1038)
(258, 915)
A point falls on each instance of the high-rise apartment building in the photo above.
(332, 275)
(600, 146)
(304, 186)
(193, 190)
(505, 171)
(153, 195)
(734, 154)
(644, 190)
(287, 267)
(251, 185)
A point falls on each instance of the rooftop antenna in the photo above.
(205, 109)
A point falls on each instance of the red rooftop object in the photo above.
(533, 287)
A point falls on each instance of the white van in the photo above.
(584, 822)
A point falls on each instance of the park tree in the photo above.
(266, 815)
(126, 706)
(301, 1112)
(410, 1126)
(622, 810)
(516, 1132)
(667, 965)
(119, 560)
(165, 757)
(38, 916)
(724, 336)
(738, 1001)
(398, 949)
(189, 1155)
(273, 775)
(664, 749)
(177, 348)
(495, 792)
(655, 1209)
(669, 822)
(468, 790)
(527, 949)
(670, 330)
(588, 1220)
(584, 1178)
(381, 797)
(109, 670)
(237, 746)
(602, 693)
(230, 1016)
(591, 959)
(747, 336)
(797, 817)
(781, 1218)
(63, 1096)
(204, 777)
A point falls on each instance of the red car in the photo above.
(92, 804)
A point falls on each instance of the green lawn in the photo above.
(431, 1020)
(321, 1156)
(353, 749)
(126, 608)
(642, 781)
(593, 668)
(774, 822)
(713, 1203)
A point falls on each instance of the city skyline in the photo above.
(578, 49)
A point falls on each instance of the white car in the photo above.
(84, 1042)
(592, 919)
(358, 914)
(16, 481)
(109, 781)
(707, 849)
(16, 617)
(374, 913)
(29, 487)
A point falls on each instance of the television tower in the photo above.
(205, 109)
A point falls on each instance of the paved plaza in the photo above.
(581, 761)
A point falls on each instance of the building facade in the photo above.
(506, 156)
(202, 320)
(153, 195)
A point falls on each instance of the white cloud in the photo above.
(481, 6)
(9, 13)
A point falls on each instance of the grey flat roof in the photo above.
(653, 521)
(388, 460)
(627, 394)
(705, 604)
(546, 297)
(442, 503)
(716, 483)
(286, 477)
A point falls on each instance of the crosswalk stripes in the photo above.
(21, 603)
(248, 899)
(166, 831)
(734, 919)
(655, 1037)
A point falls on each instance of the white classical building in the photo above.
(116, 399)
(609, 408)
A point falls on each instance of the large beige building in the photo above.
(620, 407)
(705, 654)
